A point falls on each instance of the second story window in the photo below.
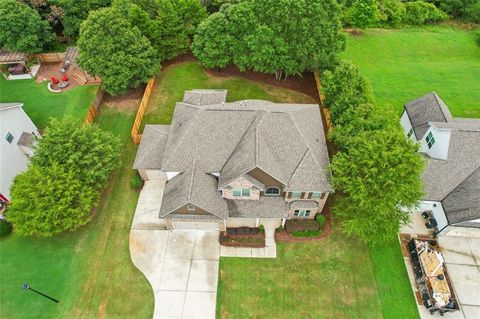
(410, 133)
(241, 192)
(9, 137)
(430, 140)
(272, 191)
(316, 194)
(296, 194)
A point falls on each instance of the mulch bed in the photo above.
(284, 237)
(129, 100)
(248, 240)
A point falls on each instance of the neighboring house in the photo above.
(17, 136)
(452, 164)
(236, 164)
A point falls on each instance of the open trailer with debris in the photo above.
(431, 277)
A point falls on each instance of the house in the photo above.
(236, 164)
(18, 135)
(451, 149)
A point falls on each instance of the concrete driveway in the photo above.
(462, 259)
(181, 265)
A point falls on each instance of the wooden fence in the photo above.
(136, 136)
(325, 111)
(51, 57)
(92, 110)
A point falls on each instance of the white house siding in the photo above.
(406, 125)
(438, 212)
(458, 231)
(241, 183)
(241, 222)
(155, 174)
(442, 140)
(13, 160)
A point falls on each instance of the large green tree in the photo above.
(117, 52)
(280, 37)
(22, 28)
(62, 185)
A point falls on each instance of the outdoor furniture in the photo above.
(17, 69)
(63, 84)
(54, 80)
(64, 77)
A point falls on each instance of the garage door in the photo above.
(198, 225)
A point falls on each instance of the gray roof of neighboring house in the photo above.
(193, 186)
(428, 108)
(152, 146)
(205, 97)
(303, 204)
(26, 139)
(6, 106)
(463, 203)
(266, 207)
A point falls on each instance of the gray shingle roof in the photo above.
(266, 207)
(151, 148)
(303, 204)
(254, 181)
(463, 203)
(194, 186)
(428, 108)
(205, 97)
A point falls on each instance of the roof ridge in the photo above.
(298, 164)
(190, 186)
(304, 139)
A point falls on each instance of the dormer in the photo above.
(244, 187)
(435, 143)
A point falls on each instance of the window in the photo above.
(430, 140)
(302, 213)
(191, 207)
(241, 192)
(296, 194)
(9, 137)
(272, 191)
(316, 194)
(410, 133)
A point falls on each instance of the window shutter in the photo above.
(302, 195)
(289, 194)
(309, 195)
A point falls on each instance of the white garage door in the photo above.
(198, 225)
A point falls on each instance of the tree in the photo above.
(391, 12)
(22, 28)
(421, 12)
(379, 176)
(280, 37)
(116, 51)
(362, 14)
(344, 88)
(191, 14)
(58, 192)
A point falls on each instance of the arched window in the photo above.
(272, 191)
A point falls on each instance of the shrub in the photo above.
(261, 228)
(293, 225)
(391, 12)
(5, 228)
(307, 233)
(280, 228)
(136, 182)
(321, 219)
(421, 12)
(472, 13)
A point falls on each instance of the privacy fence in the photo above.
(93, 109)
(325, 111)
(136, 136)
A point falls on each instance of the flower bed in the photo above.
(243, 237)
(323, 222)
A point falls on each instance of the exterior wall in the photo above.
(143, 174)
(13, 159)
(227, 192)
(442, 141)
(457, 231)
(171, 175)
(305, 196)
(406, 125)
(266, 179)
(438, 212)
(155, 174)
(184, 210)
(313, 212)
(241, 222)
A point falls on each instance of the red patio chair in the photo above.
(54, 80)
(64, 78)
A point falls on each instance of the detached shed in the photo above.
(74, 70)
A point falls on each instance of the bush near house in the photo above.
(421, 12)
(5, 228)
(58, 192)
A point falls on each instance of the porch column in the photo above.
(258, 220)
(283, 222)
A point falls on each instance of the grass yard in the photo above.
(90, 271)
(408, 63)
(332, 278)
(41, 104)
(177, 78)
(396, 296)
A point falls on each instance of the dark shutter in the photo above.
(322, 196)
(289, 194)
(309, 195)
(302, 195)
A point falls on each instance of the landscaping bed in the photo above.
(243, 237)
(300, 230)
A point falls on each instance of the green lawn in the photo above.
(332, 278)
(404, 64)
(41, 104)
(176, 79)
(90, 271)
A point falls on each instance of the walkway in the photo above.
(269, 251)
(181, 266)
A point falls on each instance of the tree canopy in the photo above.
(110, 47)
(296, 36)
(22, 28)
(58, 192)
